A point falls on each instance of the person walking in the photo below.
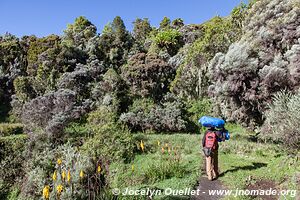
(210, 149)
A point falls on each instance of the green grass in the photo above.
(155, 169)
(243, 162)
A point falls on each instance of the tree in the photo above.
(165, 23)
(147, 75)
(141, 30)
(177, 23)
(12, 64)
(116, 42)
(262, 63)
(169, 39)
(78, 33)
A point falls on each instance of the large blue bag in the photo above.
(212, 122)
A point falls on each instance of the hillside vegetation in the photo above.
(89, 111)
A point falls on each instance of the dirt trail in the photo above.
(205, 185)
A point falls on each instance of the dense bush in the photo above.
(110, 142)
(170, 39)
(199, 108)
(53, 112)
(147, 75)
(282, 122)
(63, 166)
(191, 77)
(263, 62)
(11, 162)
(169, 116)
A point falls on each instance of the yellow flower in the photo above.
(158, 142)
(166, 144)
(46, 192)
(59, 188)
(132, 168)
(99, 169)
(54, 176)
(81, 174)
(142, 145)
(162, 150)
(59, 161)
(69, 176)
(63, 175)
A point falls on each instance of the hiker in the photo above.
(210, 143)
(210, 148)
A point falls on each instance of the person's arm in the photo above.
(203, 139)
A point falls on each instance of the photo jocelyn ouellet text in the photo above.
(191, 192)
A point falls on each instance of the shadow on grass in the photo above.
(255, 165)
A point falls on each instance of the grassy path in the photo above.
(174, 161)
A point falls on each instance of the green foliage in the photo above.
(46, 165)
(102, 116)
(116, 42)
(76, 130)
(282, 122)
(83, 87)
(170, 39)
(78, 33)
(23, 88)
(38, 46)
(11, 52)
(165, 23)
(191, 79)
(11, 162)
(169, 116)
(163, 169)
(7, 129)
(13, 194)
(141, 30)
(154, 169)
(112, 92)
(147, 75)
(142, 105)
(110, 142)
(244, 79)
(177, 23)
(199, 108)
(245, 162)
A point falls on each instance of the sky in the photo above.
(45, 17)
